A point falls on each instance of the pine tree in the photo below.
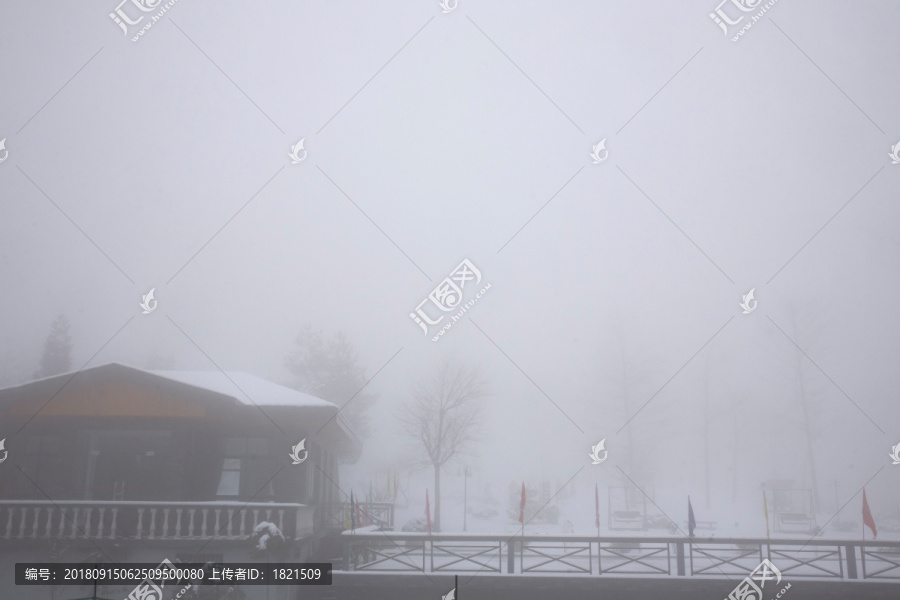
(330, 369)
(57, 357)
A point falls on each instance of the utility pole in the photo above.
(706, 431)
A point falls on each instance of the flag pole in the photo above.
(522, 509)
(597, 523)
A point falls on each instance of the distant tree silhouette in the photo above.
(57, 356)
(329, 369)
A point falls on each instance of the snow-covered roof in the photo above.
(244, 388)
(247, 388)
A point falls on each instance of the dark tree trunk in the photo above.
(437, 498)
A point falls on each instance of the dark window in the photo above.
(247, 470)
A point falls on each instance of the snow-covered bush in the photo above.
(267, 539)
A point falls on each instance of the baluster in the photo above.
(281, 519)
(100, 523)
(255, 517)
(298, 526)
(9, 514)
(191, 524)
(34, 527)
(112, 530)
(87, 522)
(216, 531)
(165, 527)
(140, 524)
(49, 528)
(61, 531)
(22, 522)
(203, 528)
(152, 533)
(75, 514)
(230, 520)
(243, 521)
(178, 522)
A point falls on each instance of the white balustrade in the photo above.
(87, 519)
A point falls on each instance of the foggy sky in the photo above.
(725, 160)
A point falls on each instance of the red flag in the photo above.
(867, 516)
(522, 506)
(597, 506)
(428, 511)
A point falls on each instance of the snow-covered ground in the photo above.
(577, 516)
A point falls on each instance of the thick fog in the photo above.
(614, 308)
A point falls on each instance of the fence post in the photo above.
(850, 552)
(347, 553)
(679, 557)
(511, 557)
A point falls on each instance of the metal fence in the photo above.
(389, 552)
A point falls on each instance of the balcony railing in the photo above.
(384, 552)
(90, 519)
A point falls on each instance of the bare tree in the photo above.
(442, 416)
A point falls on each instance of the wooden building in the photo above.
(115, 463)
